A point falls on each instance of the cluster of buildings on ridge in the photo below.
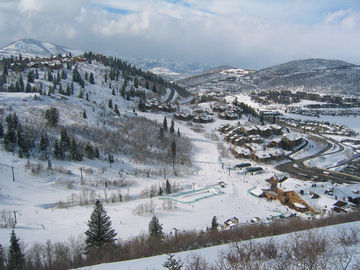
(260, 142)
(55, 62)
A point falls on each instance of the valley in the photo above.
(81, 128)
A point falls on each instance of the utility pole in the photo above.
(12, 169)
(15, 221)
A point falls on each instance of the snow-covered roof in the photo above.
(242, 151)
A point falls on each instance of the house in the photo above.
(254, 170)
(264, 131)
(276, 153)
(262, 156)
(241, 152)
(291, 140)
(242, 166)
(277, 129)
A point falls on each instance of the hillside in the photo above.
(311, 75)
(32, 48)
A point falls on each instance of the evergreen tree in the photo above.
(165, 124)
(110, 104)
(161, 133)
(21, 84)
(172, 264)
(172, 129)
(160, 193)
(178, 133)
(100, 234)
(141, 105)
(91, 79)
(116, 110)
(44, 142)
(167, 187)
(16, 258)
(12, 121)
(64, 140)
(110, 159)
(113, 92)
(10, 140)
(50, 76)
(84, 115)
(214, 224)
(75, 152)
(1, 130)
(58, 151)
(155, 228)
(173, 149)
(63, 75)
(89, 151)
(36, 74)
(28, 88)
(2, 258)
(52, 116)
(31, 76)
(136, 82)
(81, 94)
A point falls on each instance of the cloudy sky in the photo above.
(244, 33)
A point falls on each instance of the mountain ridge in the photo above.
(32, 48)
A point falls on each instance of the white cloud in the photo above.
(237, 32)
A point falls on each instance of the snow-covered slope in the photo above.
(168, 68)
(32, 48)
(312, 75)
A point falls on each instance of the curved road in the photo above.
(297, 168)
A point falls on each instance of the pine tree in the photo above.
(100, 234)
(110, 159)
(75, 152)
(165, 124)
(89, 151)
(161, 133)
(52, 116)
(63, 75)
(173, 149)
(167, 187)
(1, 130)
(110, 104)
(172, 129)
(91, 79)
(16, 258)
(116, 110)
(64, 140)
(178, 133)
(2, 258)
(84, 115)
(44, 142)
(214, 224)
(28, 88)
(58, 151)
(155, 228)
(172, 264)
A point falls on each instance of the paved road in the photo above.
(298, 169)
(171, 96)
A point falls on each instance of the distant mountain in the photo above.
(311, 75)
(32, 48)
(169, 69)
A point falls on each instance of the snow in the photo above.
(211, 254)
(34, 197)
